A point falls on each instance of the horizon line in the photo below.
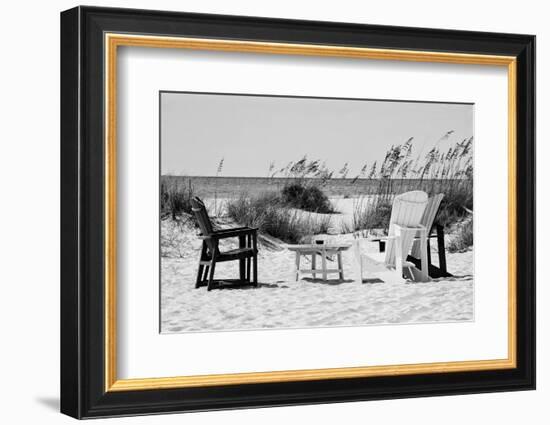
(308, 178)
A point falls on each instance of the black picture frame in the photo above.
(83, 392)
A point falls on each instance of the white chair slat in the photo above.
(428, 220)
(407, 210)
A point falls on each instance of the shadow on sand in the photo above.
(233, 285)
(329, 282)
(436, 280)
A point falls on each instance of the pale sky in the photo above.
(250, 132)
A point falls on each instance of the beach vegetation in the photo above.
(304, 188)
(463, 238)
(175, 197)
(300, 206)
(449, 172)
(309, 197)
(271, 215)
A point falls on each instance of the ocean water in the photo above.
(230, 187)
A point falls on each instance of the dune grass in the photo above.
(271, 215)
(175, 197)
(449, 172)
(464, 237)
(301, 208)
(307, 197)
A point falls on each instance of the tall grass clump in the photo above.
(175, 197)
(218, 172)
(449, 172)
(269, 213)
(306, 197)
(464, 237)
(371, 213)
(304, 187)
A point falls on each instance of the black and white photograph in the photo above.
(281, 212)
(280, 207)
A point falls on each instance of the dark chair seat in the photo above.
(235, 254)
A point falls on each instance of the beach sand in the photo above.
(282, 302)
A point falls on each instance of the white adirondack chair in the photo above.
(404, 227)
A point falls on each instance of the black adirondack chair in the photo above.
(246, 254)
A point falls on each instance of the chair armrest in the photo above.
(230, 233)
(405, 229)
(430, 236)
(380, 239)
(402, 229)
(230, 229)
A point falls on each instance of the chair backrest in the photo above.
(199, 209)
(427, 220)
(407, 210)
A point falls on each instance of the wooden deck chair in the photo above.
(404, 226)
(211, 254)
(428, 221)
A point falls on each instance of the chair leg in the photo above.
(211, 277)
(324, 264)
(242, 268)
(441, 250)
(205, 275)
(340, 266)
(199, 276)
(424, 256)
(242, 261)
(201, 267)
(253, 239)
(358, 260)
(297, 266)
(255, 270)
(398, 244)
(249, 259)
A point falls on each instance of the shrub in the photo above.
(253, 212)
(175, 197)
(374, 213)
(457, 203)
(464, 237)
(308, 197)
(449, 172)
(272, 216)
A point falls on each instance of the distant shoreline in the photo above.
(346, 179)
(232, 186)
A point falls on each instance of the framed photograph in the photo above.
(262, 212)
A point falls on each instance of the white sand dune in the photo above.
(282, 302)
